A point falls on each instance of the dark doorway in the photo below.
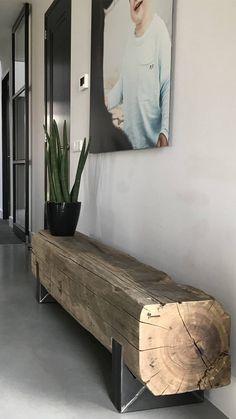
(57, 66)
(5, 148)
(20, 109)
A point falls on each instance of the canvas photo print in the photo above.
(130, 74)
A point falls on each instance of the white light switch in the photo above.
(77, 146)
(84, 82)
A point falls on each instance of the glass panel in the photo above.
(20, 57)
(19, 127)
(20, 194)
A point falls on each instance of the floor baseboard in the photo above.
(224, 399)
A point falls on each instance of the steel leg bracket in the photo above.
(129, 395)
(42, 295)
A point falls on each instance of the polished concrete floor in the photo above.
(50, 368)
(6, 234)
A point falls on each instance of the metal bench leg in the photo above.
(129, 395)
(42, 295)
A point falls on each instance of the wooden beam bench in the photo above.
(175, 338)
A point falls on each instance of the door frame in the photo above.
(22, 233)
(6, 182)
(48, 85)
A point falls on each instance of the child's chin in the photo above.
(139, 19)
(138, 16)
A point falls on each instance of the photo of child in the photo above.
(136, 69)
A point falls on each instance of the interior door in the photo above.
(20, 109)
(5, 148)
(57, 66)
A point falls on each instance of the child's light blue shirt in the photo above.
(144, 86)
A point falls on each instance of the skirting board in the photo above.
(224, 399)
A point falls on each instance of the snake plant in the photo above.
(57, 159)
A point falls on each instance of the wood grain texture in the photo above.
(175, 337)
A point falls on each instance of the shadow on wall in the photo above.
(99, 219)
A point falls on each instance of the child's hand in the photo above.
(162, 141)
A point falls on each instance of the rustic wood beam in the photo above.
(175, 337)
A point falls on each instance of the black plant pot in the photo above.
(62, 218)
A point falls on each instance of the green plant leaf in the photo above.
(66, 149)
(54, 164)
(57, 159)
(51, 184)
(81, 163)
(58, 142)
(64, 181)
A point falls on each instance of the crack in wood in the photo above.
(212, 367)
(165, 390)
(193, 340)
(156, 325)
(212, 305)
(178, 390)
